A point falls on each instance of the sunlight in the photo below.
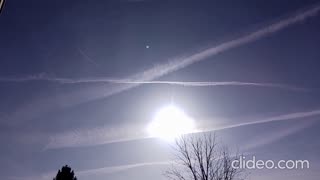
(170, 122)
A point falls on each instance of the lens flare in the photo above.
(169, 123)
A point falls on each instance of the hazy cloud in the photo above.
(97, 136)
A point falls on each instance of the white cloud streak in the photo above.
(208, 84)
(127, 81)
(42, 106)
(115, 169)
(267, 138)
(120, 168)
(98, 136)
(285, 117)
(179, 63)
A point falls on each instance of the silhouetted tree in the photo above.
(65, 174)
(199, 158)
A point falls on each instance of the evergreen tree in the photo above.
(65, 174)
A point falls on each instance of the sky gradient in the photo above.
(81, 80)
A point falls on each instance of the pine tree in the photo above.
(65, 174)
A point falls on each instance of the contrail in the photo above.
(124, 81)
(114, 169)
(93, 93)
(87, 58)
(208, 84)
(98, 136)
(285, 117)
(39, 77)
(267, 138)
(179, 63)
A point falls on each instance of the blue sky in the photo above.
(66, 96)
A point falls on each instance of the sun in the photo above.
(169, 123)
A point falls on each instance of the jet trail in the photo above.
(89, 136)
(285, 117)
(179, 63)
(98, 136)
(125, 81)
(98, 92)
(208, 84)
(114, 169)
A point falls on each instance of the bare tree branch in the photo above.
(199, 158)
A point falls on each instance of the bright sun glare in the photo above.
(170, 122)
